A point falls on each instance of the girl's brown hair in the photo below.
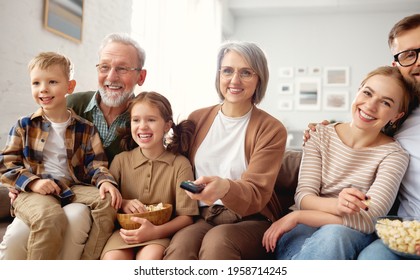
(180, 140)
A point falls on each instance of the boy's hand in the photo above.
(116, 198)
(13, 194)
(44, 186)
(311, 126)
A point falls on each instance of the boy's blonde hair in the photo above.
(47, 59)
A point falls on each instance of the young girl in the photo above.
(349, 175)
(149, 173)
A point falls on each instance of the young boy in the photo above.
(54, 157)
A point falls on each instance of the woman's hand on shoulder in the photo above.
(311, 126)
(215, 188)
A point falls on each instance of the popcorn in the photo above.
(154, 207)
(366, 202)
(402, 236)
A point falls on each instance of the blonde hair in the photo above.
(395, 74)
(45, 60)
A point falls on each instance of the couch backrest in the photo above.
(287, 179)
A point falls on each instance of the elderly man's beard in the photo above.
(414, 89)
(114, 99)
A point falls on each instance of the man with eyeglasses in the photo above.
(404, 42)
(120, 69)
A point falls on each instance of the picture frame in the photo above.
(336, 100)
(301, 71)
(285, 105)
(315, 71)
(286, 88)
(286, 72)
(337, 76)
(308, 94)
(64, 18)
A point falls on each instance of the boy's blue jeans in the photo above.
(329, 242)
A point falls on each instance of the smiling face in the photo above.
(377, 102)
(235, 90)
(408, 40)
(116, 89)
(148, 129)
(49, 87)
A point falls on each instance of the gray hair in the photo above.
(125, 39)
(256, 59)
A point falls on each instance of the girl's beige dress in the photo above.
(152, 182)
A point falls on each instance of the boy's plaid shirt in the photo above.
(21, 161)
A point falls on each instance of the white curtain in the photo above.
(181, 39)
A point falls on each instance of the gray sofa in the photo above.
(5, 217)
(285, 188)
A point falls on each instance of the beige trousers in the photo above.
(15, 241)
(48, 223)
(219, 235)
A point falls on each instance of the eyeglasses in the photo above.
(121, 70)
(245, 74)
(407, 58)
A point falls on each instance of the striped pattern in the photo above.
(328, 166)
(21, 159)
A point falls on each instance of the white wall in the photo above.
(355, 40)
(23, 36)
(323, 40)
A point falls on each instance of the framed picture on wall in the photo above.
(286, 88)
(336, 100)
(65, 18)
(315, 71)
(308, 93)
(286, 72)
(336, 76)
(301, 71)
(285, 105)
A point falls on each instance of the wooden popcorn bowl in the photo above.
(157, 217)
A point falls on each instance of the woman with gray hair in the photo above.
(236, 153)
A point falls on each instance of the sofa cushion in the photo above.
(4, 203)
(287, 179)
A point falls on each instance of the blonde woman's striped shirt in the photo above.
(328, 166)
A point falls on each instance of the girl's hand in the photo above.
(133, 206)
(351, 200)
(147, 231)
